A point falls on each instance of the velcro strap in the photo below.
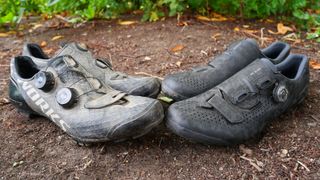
(229, 111)
(105, 100)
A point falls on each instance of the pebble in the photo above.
(312, 124)
(283, 153)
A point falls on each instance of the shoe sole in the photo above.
(26, 110)
(196, 136)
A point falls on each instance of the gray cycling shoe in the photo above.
(86, 109)
(187, 84)
(101, 68)
(239, 108)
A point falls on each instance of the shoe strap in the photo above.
(229, 111)
(105, 100)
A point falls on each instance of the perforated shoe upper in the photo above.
(240, 107)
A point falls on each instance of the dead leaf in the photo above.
(314, 64)
(272, 32)
(36, 26)
(126, 23)
(182, 23)
(269, 21)
(245, 26)
(4, 34)
(292, 37)
(165, 99)
(43, 44)
(236, 29)
(56, 38)
(178, 63)
(250, 31)
(203, 18)
(177, 48)
(215, 36)
(217, 18)
(282, 29)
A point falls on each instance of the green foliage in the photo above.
(303, 12)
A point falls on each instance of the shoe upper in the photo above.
(240, 107)
(200, 79)
(74, 99)
(101, 68)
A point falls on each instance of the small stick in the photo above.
(252, 163)
(304, 166)
(146, 74)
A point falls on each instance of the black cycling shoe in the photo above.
(101, 68)
(71, 97)
(239, 108)
(187, 84)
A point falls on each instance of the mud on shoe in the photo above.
(99, 67)
(187, 84)
(76, 101)
(239, 108)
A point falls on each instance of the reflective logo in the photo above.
(43, 105)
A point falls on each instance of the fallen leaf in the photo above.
(217, 18)
(250, 31)
(165, 99)
(178, 63)
(245, 26)
(43, 44)
(236, 29)
(4, 34)
(36, 26)
(269, 21)
(282, 29)
(292, 37)
(126, 23)
(314, 64)
(182, 23)
(215, 36)
(56, 38)
(177, 48)
(272, 32)
(203, 18)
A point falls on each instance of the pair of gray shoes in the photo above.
(83, 95)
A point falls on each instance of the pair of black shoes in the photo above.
(226, 102)
(236, 95)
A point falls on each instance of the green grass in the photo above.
(304, 13)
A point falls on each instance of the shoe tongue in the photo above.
(241, 51)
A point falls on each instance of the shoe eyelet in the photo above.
(66, 97)
(102, 63)
(82, 47)
(44, 80)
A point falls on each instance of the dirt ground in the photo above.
(37, 149)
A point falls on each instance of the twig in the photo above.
(303, 165)
(250, 34)
(61, 18)
(252, 163)
(261, 37)
(146, 74)
(124, 55)
(315, 118)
